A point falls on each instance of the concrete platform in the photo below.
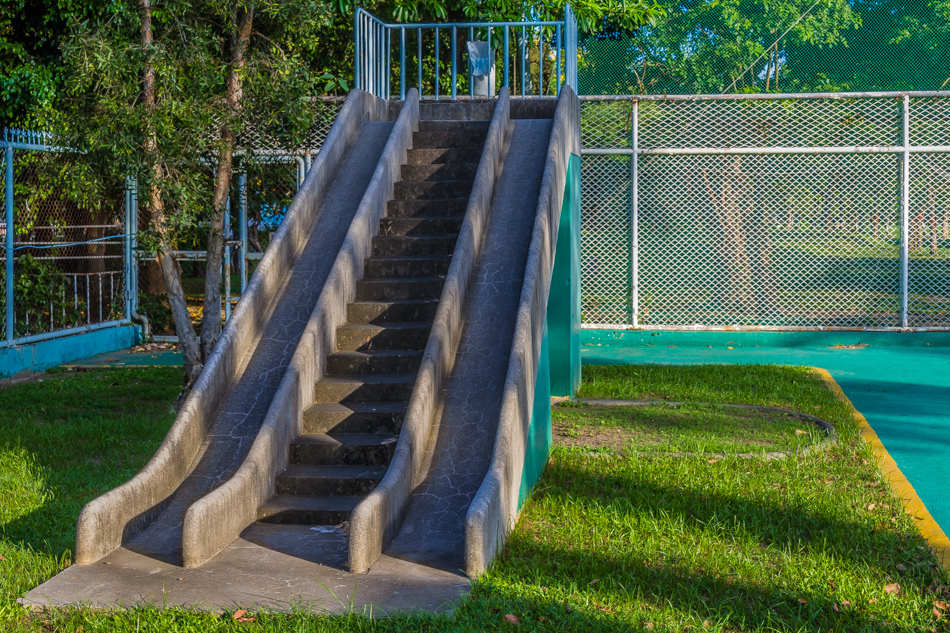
(267, 568)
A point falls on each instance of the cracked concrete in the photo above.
(433, 532)
(267, 568)
(245, 406)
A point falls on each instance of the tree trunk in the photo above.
(211, 316)
(739, 294)
(170, 274)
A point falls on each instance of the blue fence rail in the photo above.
(61, 245)
(542, 50)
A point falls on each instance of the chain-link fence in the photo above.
(267, 175)
(66, 250)
(764, 212)
(701, 47)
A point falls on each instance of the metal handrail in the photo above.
(374, 68)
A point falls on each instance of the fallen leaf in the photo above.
(511, 618)
(892, 588)
(239, 614)
(872, 506)
(247, 619)
(729, 347)
(834, 606)
(2, 558)
(800, 432)
(712, 461)
(707, 624)
(845, 603)
(940, 604)
(648, 626)
(872, 600)
(594, 581)
(541, 618)
(863, 461)
(938, 612)
(802, 601)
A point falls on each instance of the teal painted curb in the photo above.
(657, 338)
(564, 301)
(45, 354)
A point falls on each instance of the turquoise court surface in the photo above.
(899, 381)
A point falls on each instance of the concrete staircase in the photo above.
(351, 429)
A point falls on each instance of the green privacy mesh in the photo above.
(717, 46)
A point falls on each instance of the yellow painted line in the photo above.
(925, 522)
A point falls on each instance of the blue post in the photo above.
(127, 248)
(8, 160)
(358, 56)
(242, 218)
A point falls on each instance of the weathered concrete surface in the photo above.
(433, 532)
(494, 509)
(375, 520)
(218, 518)
(126, 510)
(259, 570)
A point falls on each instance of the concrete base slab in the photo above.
(273, 569)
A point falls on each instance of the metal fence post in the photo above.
(242, 224)
(8, 178)
(634, 216)
(227, 259)
(905, 213)
(127, 247)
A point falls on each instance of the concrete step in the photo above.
(441, 171)
(299, 479)
(419, 266)
(420, 226)
(380, 312)
(308, 510)
(451, 125)
(379, 362)
(434, 155)
(357, 449)
(472, 141)
(348, 388)
(416, 245)
(443, 208)
(367, 337)
(354, 417)
(399, 288)
(432, 189)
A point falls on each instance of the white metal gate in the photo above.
(817, 211)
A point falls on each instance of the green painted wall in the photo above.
(46, 354)
(538, 445)
(564, 302)
(559, 364)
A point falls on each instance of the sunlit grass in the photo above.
(607, 542)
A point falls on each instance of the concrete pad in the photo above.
(141, 356)
(267, 568)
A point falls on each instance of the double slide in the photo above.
(384, 382)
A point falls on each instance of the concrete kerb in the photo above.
(376, 519)
(106, 520)
(218, 518)
(495, 506)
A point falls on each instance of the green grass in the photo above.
(692, 428)
(606, 543)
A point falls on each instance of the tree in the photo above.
(163, 91)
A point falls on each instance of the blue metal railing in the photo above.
(515, 42)
(18, 140)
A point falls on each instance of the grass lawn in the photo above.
(610, 540)
(691, 428)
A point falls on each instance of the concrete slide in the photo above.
(380, 398)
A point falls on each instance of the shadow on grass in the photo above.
(756, 603)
